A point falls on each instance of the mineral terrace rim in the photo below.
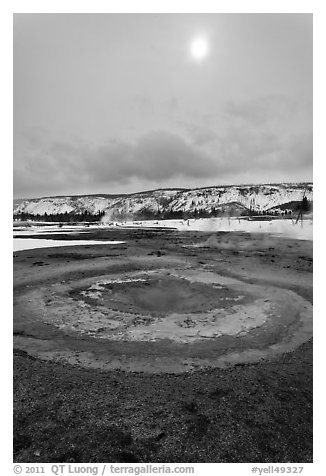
(286, 323)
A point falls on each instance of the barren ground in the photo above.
(192, 347)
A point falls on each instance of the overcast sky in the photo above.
(109, 103)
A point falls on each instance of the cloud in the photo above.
(157, 156)
(255, 141)
(261, 110)
(161, 155)
(173, 104)
(258, 135)
(200, 135)
(142, 104)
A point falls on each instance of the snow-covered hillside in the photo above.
(228, 199)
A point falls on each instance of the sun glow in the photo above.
(199, 48)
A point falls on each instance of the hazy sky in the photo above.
(107, 103)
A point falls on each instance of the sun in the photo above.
(199, 48)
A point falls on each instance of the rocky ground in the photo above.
(80, 410)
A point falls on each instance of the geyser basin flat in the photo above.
(150, 314)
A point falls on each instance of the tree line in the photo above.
(66, 217)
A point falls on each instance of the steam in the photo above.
(262, 228)
(112, 215)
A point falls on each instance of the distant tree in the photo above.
(305, 207)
